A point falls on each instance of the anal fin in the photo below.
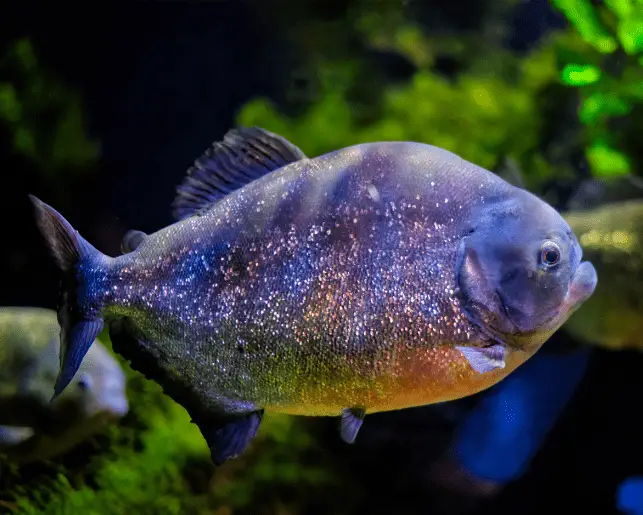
(227, 434)
(228, 438)
(351, 422)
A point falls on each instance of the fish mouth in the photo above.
(581, 287)
(501, 328)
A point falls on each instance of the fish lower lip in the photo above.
(583, 284)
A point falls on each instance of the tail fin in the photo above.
(78, 329)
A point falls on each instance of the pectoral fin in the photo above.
(229, 438)
(351, 421)
(484, 359)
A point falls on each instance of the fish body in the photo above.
(31, 426)
(377, 277)
(612, 238)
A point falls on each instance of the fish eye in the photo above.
(84, 382)
(550, 254)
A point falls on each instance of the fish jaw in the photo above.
(582, 286)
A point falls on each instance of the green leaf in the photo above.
(10, 109)
(23, 141)
(630, 33)
(580, 74)
(583, 16)
(25, 53)
(601, 105)
(622, 8)
(607, 162)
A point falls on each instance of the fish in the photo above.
(607, 215)
(612, 237)
(31, 427)
(495, 443)
(377, 277)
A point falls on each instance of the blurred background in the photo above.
(103, 107)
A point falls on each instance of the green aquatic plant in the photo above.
(155, 461)
(483, 113)
(603, 58)
(497, 104)
(43, 116)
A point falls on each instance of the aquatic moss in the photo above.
(155, 461)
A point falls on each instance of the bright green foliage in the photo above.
(493, 107)
(580, 75)
(583, 16)
(605, 161)
(479, 115)
(614, 92)
(44, 117)
(504, 118)
(630, 33)
(598, 106)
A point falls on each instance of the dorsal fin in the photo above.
(245, 154)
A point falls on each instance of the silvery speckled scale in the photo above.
(377, 277)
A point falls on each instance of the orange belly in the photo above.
(415, 378)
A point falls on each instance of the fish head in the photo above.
(97, 388)
(520, 273)
(100, 385)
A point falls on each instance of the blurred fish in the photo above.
(630, 496)
(377, 277)
(32, 427)
(612, 238)
(495, 444)
(592, 193)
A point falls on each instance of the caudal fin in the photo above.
(79, 327)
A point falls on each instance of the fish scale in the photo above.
(360, 281)
(343, 277)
